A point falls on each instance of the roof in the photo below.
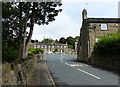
(48, 44)
(102, 20)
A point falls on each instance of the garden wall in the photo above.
(106, 62)
(19, 72)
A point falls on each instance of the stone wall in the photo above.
(106, 62)
(82, 52)
(90, 32)
(19, 72)
(95, 33)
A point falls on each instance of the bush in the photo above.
(9, 54)
(56, 50)
(35, 51)
(30, 55)
(70, 46)
(108, 45)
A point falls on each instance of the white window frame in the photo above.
(38, 46)
(45, 46)
(104, 26)
(53, 46)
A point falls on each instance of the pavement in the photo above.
(41, 75)
(66, 71)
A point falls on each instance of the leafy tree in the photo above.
(71, 41)
(56, 41)
(62, 40)
(32, 41)
(9, 32)
(77, 38)
(35, 41)
(18, 16)
(47, 40)
(70, 46)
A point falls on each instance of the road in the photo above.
(66, 71)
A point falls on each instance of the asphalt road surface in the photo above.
(66, 71)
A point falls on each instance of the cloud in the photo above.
(63, 26)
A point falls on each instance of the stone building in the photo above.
(62, 48)
(91, 30)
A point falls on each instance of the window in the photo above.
(41, 46)
(34, 46)
(64, 46)
(97, 39)
(57, 46)
(52, 46)
(116, 25)
(38, 46)
(103, 26)
(45, 46)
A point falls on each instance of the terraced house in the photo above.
(51, 47)
(91, 30)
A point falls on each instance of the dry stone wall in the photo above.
(19, 72)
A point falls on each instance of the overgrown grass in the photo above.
(108, 45)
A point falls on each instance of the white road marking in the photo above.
(89, 73)
(62, 56)
(76, 65)
(67, 64)
(61, 60)
(71, 65)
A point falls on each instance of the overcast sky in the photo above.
(68, 22)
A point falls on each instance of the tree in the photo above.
(35, 41)
(56, 41)
(18, 16)
(71, 41)
(77, 38)
(10, 32)
(32, 41)
(47, 40)
(62, 40)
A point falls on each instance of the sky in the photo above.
(69, 21)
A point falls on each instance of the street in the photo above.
(66, 71)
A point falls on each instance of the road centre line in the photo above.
(88, 73)
(61, 60)
(81, 69)
(67, 64)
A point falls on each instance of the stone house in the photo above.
(91, 30)
(51, 47)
